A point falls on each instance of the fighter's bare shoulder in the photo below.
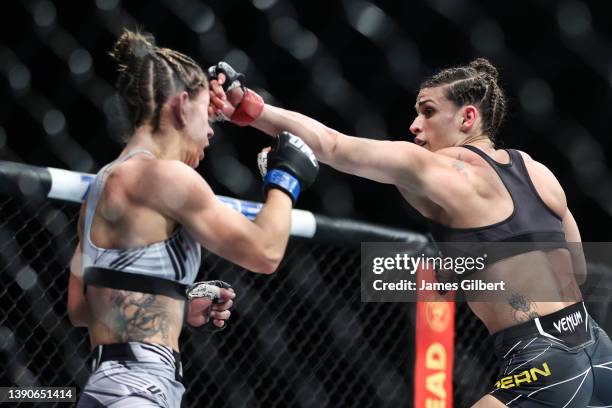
(164, 184)
(546, 184)
(459, 159)
(537, 169)
(460, 153)
(448, 177)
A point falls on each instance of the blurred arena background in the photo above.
(354, 65)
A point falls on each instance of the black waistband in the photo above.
(123, 352)
(114, 279)
(569, 326)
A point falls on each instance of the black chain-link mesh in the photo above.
(475, 362)
(300, 338)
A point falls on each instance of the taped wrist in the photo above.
(284, 181)
(249, 109)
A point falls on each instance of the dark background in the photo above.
(354, 65)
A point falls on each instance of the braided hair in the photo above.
(149, 75)
(475, 83)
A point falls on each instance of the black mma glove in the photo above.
(233, 79)
(290, 165)
(250, 107)
(210, 290)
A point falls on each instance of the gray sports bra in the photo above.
(164, 267)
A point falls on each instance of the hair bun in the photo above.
(132, 46)
(484, 66)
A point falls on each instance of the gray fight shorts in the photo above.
(134, 374)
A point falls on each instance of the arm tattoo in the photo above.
(138, 316)
(522, 309)
(459, 165)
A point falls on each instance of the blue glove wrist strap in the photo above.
(283, 180)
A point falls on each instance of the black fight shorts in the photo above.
(560, 360)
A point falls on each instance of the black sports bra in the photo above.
(532, 222)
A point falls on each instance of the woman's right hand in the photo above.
(202, 309)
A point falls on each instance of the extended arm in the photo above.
(399, 163)
(403, 164)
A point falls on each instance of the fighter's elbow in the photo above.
(268, 262)
(267, 268)
(77, 317)
(78, 323)
(78, 312)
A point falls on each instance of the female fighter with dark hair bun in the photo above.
(551, 352)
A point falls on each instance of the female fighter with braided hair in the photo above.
(146, 215)
(551, 352)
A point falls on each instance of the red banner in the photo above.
(435, 336)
